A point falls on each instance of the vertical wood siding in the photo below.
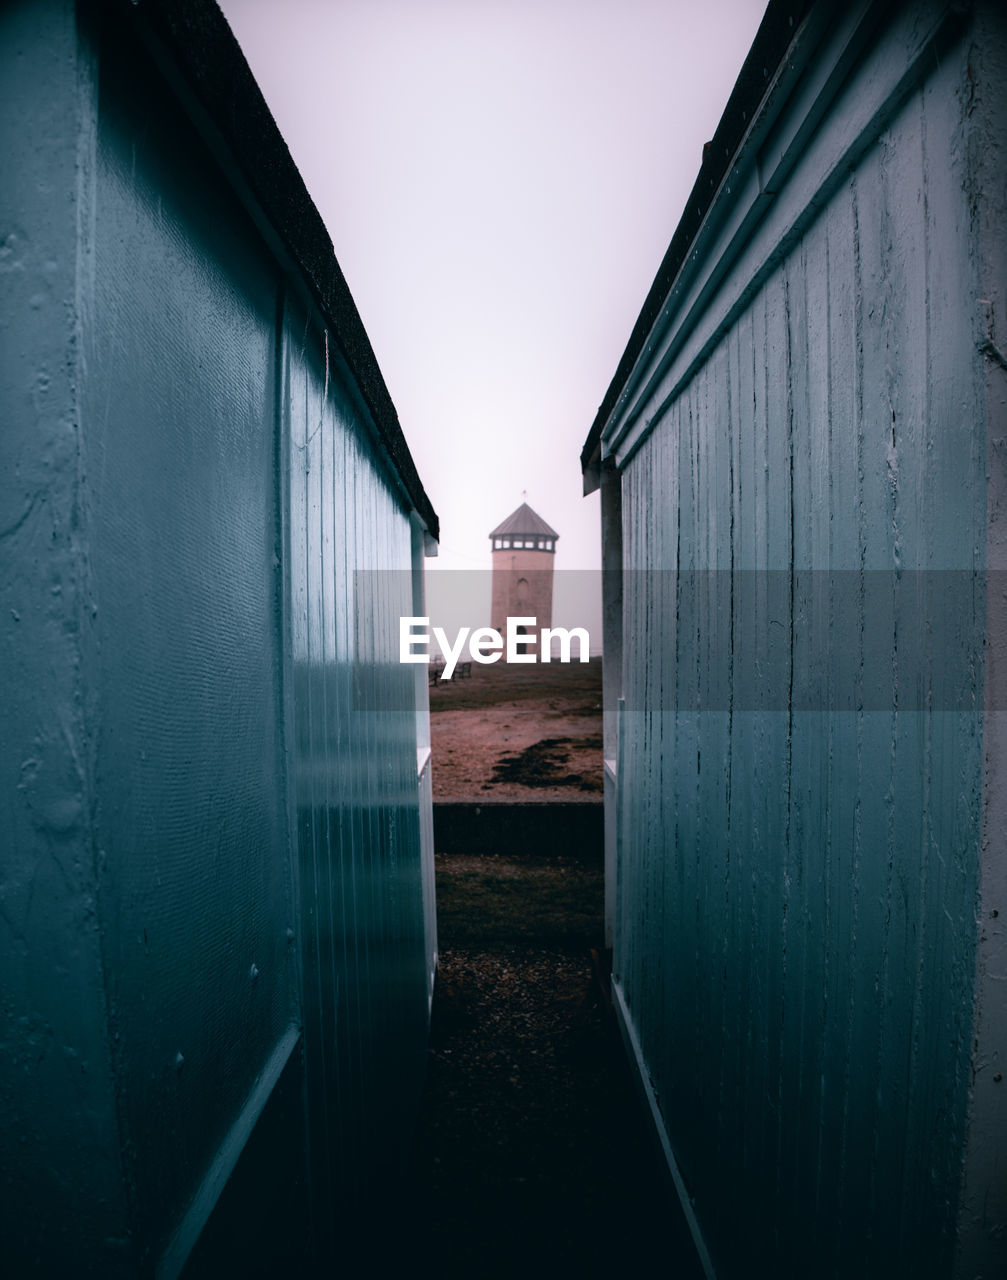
(355, 781)
(181, 518)
(796, 903)
(213, 932)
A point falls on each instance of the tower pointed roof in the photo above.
(524, 521)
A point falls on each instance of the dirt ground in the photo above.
(531, 1157)
(529, 733)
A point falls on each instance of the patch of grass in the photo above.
(488, 902)
(575, 687)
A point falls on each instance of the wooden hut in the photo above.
(802, 466)
(216, 914)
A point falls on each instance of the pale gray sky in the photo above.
(500, 179)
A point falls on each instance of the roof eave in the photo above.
(199, 55)
(768, 53)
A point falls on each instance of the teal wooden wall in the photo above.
(360, 863)
(215, 940)
(797, 895)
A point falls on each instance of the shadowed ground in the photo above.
(531, 1158)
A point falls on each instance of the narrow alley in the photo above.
(531, 1157)
(303, 946)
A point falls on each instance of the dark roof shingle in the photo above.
(524, 520)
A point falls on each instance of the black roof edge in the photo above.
(208, 59)
(774, 37)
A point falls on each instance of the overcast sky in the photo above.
(500, 179)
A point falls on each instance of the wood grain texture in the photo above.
(795, 909)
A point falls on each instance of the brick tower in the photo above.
(523, 548)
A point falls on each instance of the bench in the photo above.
(462, 671)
